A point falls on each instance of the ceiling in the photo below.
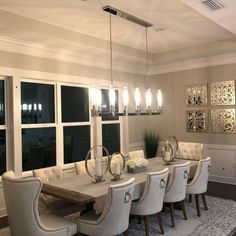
(76, 26)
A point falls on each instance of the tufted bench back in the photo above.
(48, 174)
(137, 154)
(190, 151)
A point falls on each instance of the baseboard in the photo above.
(223, 180)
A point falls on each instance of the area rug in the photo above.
(219, 220)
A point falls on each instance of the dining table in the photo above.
(81, 190)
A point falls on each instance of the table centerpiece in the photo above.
(137, 165)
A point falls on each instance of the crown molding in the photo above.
(224, 59)
(85, 58)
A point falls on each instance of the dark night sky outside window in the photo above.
(38, 148)
(2, 151)
(111, 137)
(75, 104)
(76, 143)
(106, 105)
(2, 103)
(37, 103)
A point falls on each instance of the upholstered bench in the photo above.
(136, 154)
(48, 203)
(190, 151)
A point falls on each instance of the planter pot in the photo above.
(136, 169)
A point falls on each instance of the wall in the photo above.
(221, 147)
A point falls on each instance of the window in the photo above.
(37, 103)
(74, 104)
(106, 105)
(38, 148)
(110, 124)
(38, 125)
(75, 108)
(111, 137)
(2, 151)
(76, 143)
(3, 164)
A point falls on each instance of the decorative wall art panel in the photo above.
(223, 121)
(223, 93)
(196, 95)
(197, 121)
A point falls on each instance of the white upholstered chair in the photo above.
(198, 186)
(48, 203)
(151, 200)
(176, 188)
(190, 151)
(115, 216)
(136, 154)
(21, 196)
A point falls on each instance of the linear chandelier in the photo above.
(96, 93)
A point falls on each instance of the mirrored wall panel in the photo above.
(222, 93)
(196, 95)
(197, 121)
(223, 121)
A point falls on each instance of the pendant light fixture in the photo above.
(148, 94)
(112, 93)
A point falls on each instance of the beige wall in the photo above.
(172, 122)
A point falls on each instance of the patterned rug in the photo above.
(219, 220)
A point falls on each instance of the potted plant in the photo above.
(151, 143)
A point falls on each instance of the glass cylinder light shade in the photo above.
(148, 100)
(125, 99)
(159, 100)
(137, 97)
(112, 98)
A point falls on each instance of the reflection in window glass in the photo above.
(106, 105)
(111, 137)
(38, 148)
(2, 151)
(37, 103)
(2, 103)
(76, 143)
(74, 104)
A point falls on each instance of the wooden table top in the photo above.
(81, 190)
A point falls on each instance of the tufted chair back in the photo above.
(21, 196)
(138, 153)
(199, 183)
(176, 188)
(190, 151)
(115, 216)
(151, 201)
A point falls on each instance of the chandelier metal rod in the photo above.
(147, 61)
(111, 51)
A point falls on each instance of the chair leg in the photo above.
(146, 226)
(197, 205)
(139, 220)
(160, 222)
(183, 209)
(172, 214)
(125, 233)
(190, 197)
(204, 200)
